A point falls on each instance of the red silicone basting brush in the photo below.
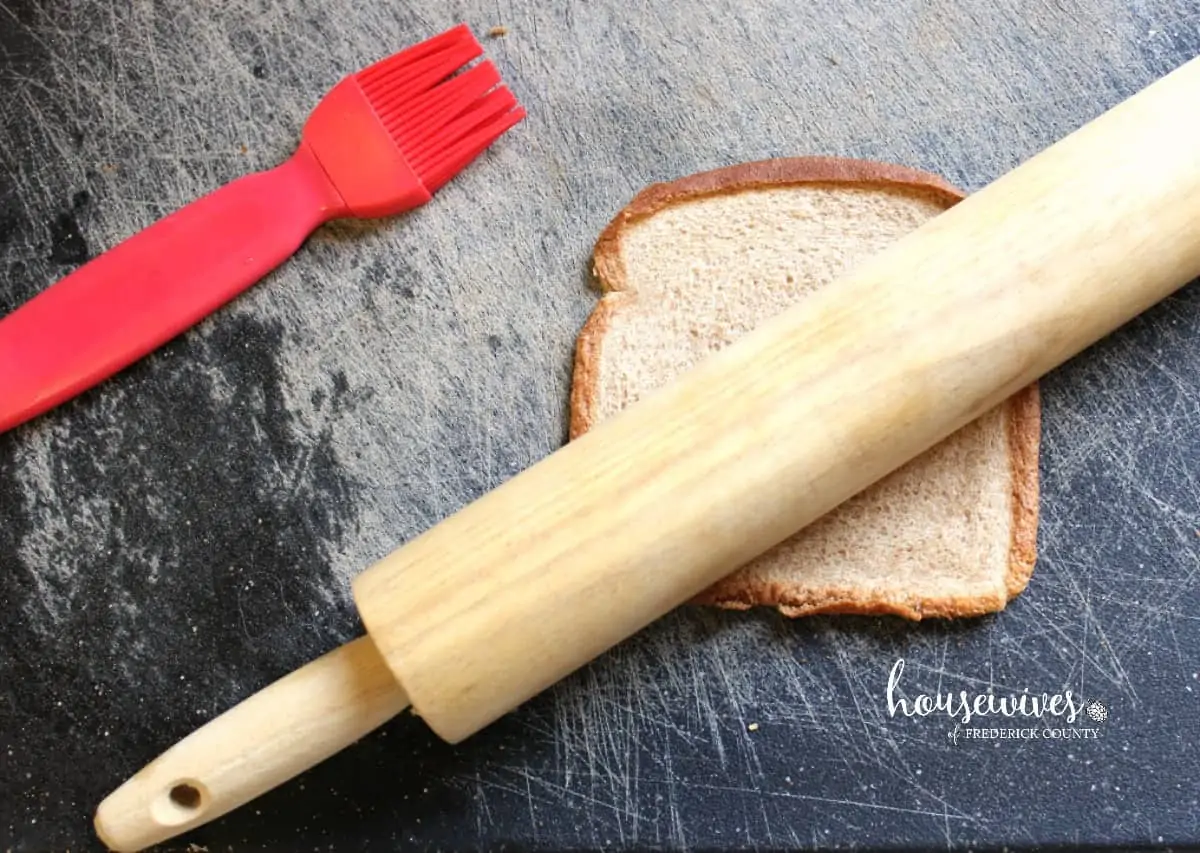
(381, 142)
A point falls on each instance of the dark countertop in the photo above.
(177, 538)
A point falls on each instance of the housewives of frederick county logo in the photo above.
(1047, 716)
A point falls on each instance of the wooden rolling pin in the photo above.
(583, 549)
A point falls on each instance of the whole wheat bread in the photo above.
(689, 266)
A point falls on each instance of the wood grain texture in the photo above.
(663, 499)
(185, 534)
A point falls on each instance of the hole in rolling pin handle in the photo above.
(180, 803)
(186, 796)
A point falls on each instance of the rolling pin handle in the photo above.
(276, 734)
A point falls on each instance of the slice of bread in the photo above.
(691, 265)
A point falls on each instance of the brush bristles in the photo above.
(446, 162)
(440, 120)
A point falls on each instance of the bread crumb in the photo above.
(242, 149)
(753, 727)
(498, 32)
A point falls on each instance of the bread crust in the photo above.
(1023, 410)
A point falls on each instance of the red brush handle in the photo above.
(146, 290)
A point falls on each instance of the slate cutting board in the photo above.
(177, 538)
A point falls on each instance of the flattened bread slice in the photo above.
(690, 266)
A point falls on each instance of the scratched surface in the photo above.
(177, 538)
